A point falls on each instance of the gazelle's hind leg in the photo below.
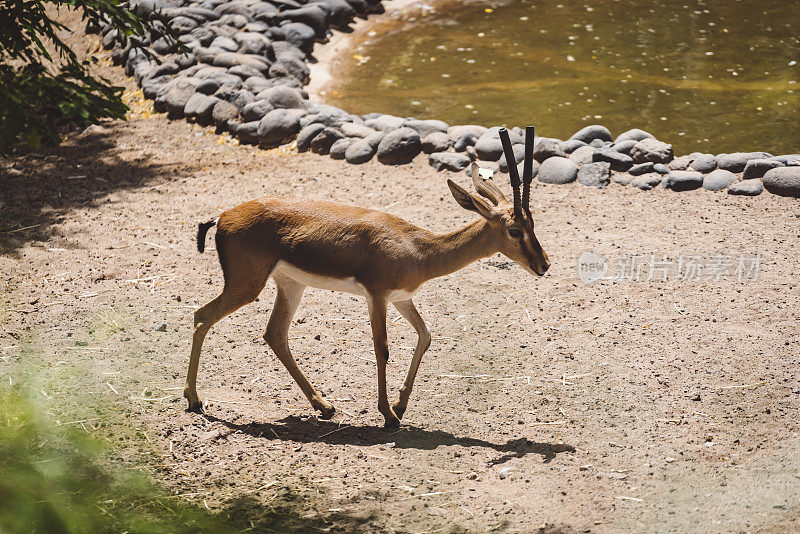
(409, 311)
(277, 336)
(228, 302)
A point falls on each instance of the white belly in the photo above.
(347, 285)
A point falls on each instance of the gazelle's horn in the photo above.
(527, 169)
(513, 173)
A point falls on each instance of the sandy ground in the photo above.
(646, 406)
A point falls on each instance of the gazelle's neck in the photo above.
(447, 253)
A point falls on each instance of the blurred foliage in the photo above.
(54, 480)
(44, 87)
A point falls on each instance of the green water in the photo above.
(717, 76)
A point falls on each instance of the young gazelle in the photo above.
(301, 242)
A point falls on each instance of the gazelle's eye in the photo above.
(513, 232)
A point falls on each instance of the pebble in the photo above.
(618, 161)
(748, 188)
(634, 134)
(704, 163)
(652, 150)
(648, 181)
(399, 147)
(641, 168)
(595, 174)
(557, 170)
(591, 133)
(683, 180)
(718, 180)
(547, 148)
(784, 181)
(756, 168)
(451, 161)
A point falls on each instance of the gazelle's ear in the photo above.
(472, 202)
(463, 198)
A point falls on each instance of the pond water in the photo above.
(706, 76)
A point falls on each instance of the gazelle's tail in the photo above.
(202, 230)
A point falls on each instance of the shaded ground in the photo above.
(605, 407)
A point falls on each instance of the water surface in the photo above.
(706, 76)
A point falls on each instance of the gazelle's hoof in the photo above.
(392, 422)
(196, 407)
(398, 410)
(194, 403)
(327, 412)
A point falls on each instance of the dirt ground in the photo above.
(618, 406)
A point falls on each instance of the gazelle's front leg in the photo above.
(409, 311)
(377, 318)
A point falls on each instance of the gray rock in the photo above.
(208, 86)
(557, 170)
(399, 147)
(290, 67)
(641, 168)
(351, 129)
(704, 163)
(231, 59)
(571, 145)
(313, 15)
(426, 127)
(322, 142)
(660, 168)
(718, 180)
(244, 72)
(282, 97)
(652, 150)
(176, 98)
(680, 164)
(633, 135)
(300, 35)
(756, 168)
(225, 43)
(582, 155)
(621, 178)
(279, 125)
(467, 139)
(253, 43)
(246, 133)
(456, 132)
(339, 148)
(784, 181)
(748, 188)
(648, 181)
(618, 161)
(451, 161)
(591, 133)
(624, 147)
(436, 142)
(599, 143)
(488, 147)
(790, 160)
(519, 155)
(182, 25)
(683, 180)
(547, 148)
(737, 161)
(385, 123)
(375, 139)
(359, 152)
(307, 134)
(597, 174)
(223, 112)
(255, 111)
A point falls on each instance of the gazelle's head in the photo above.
(513, 223)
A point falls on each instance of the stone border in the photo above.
(247, 64)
